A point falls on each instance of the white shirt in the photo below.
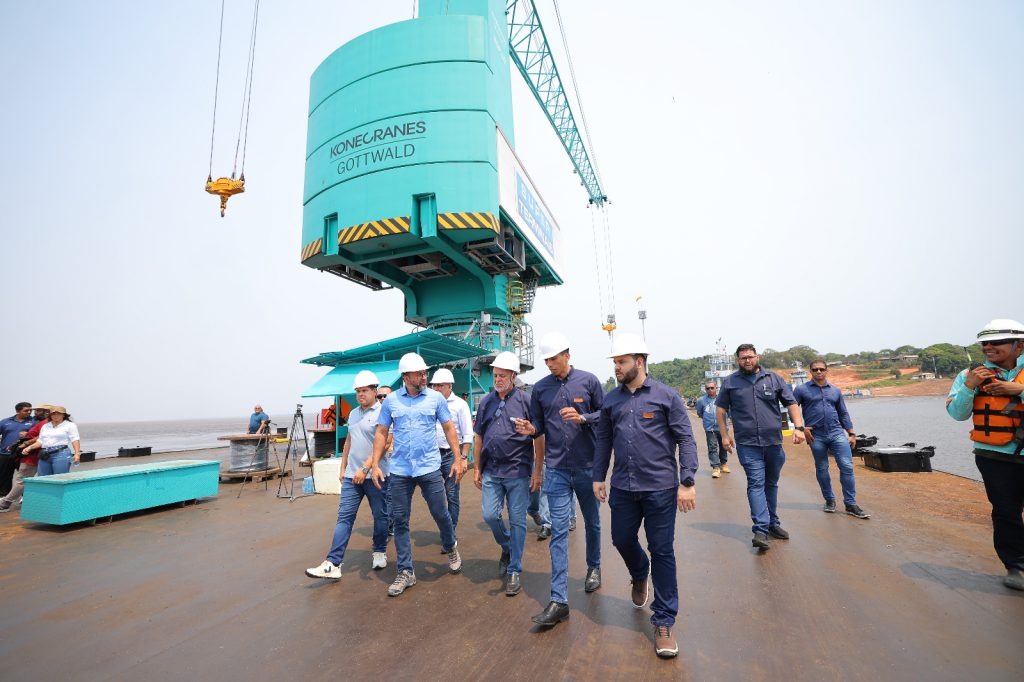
(463, 422)
(51, 436)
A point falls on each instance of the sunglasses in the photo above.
(1000, 342)
(381, 396)
(501, 406)
(818, 369)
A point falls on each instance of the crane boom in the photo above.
(529, 50)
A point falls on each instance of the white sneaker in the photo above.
(454, 560)
(380, 560)
(325, 570)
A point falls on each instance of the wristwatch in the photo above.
(366, 470)
(800, 428)
(688, 482)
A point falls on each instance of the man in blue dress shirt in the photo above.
(828, 427)
(566, 408)
(505, 466)
(413, 411)
(751, 399)
(643, 422)
(717, 455)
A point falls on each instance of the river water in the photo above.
(922, 420)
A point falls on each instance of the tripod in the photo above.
(297, 423)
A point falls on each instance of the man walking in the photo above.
(566, 408)
(356, 456)
(442, 382)
(505, 466)
(751, 398)
(643, 422)
(413, 411)
(12, 429)
(991, 395)
(29, 461)
(717, 455)
(828, 427)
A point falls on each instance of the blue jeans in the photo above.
(517, 491)
(351, 497)
(763, 466)
(657, 511)
(539, 505)
(451, 486)
(59, 463)
(432, 489)
(559, 487)
(717, 455)
(840, 447)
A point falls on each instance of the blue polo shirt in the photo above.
(706, 412)
(10, 429)
(362, 427)
(567, 445)
(256, 419)
(644, 429)
(414, 419)
(823, 408)
(504, 452)
(752, 401)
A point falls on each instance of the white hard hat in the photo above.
(1001, 329)
(411, 362)
(365, 378)
(628, 344)
(507, 360)
(552, 344)
(443, 376)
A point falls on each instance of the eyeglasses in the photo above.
(501, 406)
(381, 396)
(711, 388)
(999, 342)
(819, 369)
(743, 358)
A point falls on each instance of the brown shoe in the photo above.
(665, 644)
(641, 591)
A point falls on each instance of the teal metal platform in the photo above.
(86, 495)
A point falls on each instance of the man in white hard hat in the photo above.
(443, 381)
(566, 408)
(990, 394)
(643, 422)
(507, 466)
(412, 411)
(356, 458)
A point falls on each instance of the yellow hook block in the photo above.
(225, 188)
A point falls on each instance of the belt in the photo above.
(56, 448)
(445, 449)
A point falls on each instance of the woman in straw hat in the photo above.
(58, 443)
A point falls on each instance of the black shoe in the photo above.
(536, 518)
(572, 524)
(760, 541)
(854, 510)
(554, 614)
(778, 532)
(512, 585)
(830, 507)
(544, 533)
(593, 581)
(503, 563)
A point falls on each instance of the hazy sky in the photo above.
(842, 174)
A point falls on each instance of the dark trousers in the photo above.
(1004, 484)
(657, 511)
(8, 465)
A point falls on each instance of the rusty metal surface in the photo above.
(217, 591)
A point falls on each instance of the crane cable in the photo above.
(216, 89)
(246, 93)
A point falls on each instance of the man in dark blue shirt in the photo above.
(644, 422)
(505, 466)
(828, 427)
(565, 406)
(751, 399)
(11, 431)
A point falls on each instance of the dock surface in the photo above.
(217, 591)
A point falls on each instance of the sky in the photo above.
(842, 175)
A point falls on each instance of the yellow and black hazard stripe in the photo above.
(467, 221)
(376, 228)
(311, 249)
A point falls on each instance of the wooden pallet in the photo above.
(254, 476)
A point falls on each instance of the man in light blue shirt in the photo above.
(259, 421)
(717, 455)
(356, 456)
(411, 413)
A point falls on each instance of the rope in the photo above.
(576, 91)
(243, 114)
(252, 71)
(216, 87)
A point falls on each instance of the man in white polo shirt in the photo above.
(442, 382)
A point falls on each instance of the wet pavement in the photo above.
(217, 591)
